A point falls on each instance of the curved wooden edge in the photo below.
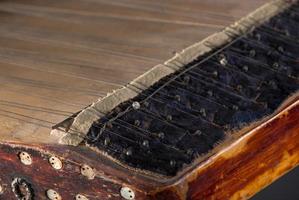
(245, 167)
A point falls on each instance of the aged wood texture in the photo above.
(41, 176)
(57, 57)
(236, 172)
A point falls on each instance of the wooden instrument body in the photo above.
(238, 171)
(46, 92)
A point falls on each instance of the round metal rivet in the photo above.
(107, 141)
(276, 65)
(215, 73)
(129, 151)
(55, 162)
(53, 195)
(81, 197)
(146, 104)
(223, 61)
(137, 122)
(203, 112)
(252, 53)
(88, 172)
(186, 79)
(127, 193)
(245, 68)
(280, 49)
(145, 143)
(177, 97)
(25, 158)
(168, 117)
(235, 107)
(136, 105)
(161, 135)
(258, 36)
(172, 163)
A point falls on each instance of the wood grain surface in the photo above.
(56, 57)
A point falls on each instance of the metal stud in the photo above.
(25, 158)
(129, 151)
(127, 193)
(186, 79)
(145, 143)
(245, 68)
(81, 197)
(239, 87)
(169, 117)
(276, 65)
(53, 195)
(161, 135)
(252, 53)
(280, 49)
(258, 36)
(223, 61)
(137, 122)
(107, 141)
(109, 125)
(203, 112)
(235, 107)
(88, 172)
(146, 104)
(215, 74)
(177, 97)
(272, 84)
(136, 105)
(190, 152)
(172, 163)
(55, 162)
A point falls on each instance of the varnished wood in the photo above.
(247, 165)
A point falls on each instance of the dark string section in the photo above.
(186, 114)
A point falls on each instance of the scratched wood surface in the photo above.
(56, 57)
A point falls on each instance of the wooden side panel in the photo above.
(249, 165)
(41, 176)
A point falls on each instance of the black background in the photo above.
(285, 188)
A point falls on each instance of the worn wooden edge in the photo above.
(75, 133)
(247, 165)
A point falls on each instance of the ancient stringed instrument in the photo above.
(219, 120)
